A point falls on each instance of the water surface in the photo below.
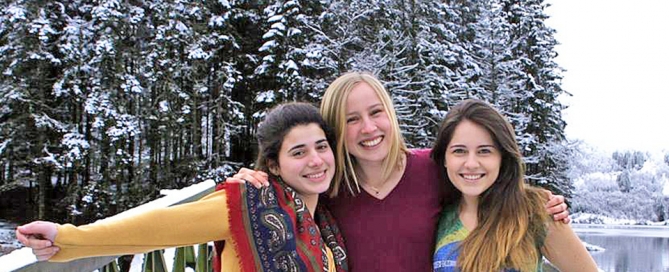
(628, 248)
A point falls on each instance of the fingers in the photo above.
(44, 254)
(559, 208)
(32, 241)
(256, 178)
(555, 200)
(562, 216)
(37, 234)
(566, 220)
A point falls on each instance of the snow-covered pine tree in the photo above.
(448, 71)
(531, 101)
(285, 66)
(31, 123)
(110, 58)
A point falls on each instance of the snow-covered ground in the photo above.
(587, 218)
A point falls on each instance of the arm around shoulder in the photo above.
(565, 250)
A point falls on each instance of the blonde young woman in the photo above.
(389, 202)
(495, 222)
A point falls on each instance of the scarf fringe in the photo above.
(235, 194)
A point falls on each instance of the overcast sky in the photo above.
(617, 58)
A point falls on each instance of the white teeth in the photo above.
(371, 143)
(472, 177)
(317, 175)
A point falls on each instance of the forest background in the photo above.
(104, 103)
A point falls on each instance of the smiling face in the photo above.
(306, 161)
(368, 128)
(472, 159)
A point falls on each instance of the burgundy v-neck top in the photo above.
(398, 232)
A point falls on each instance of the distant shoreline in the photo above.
(660, 231)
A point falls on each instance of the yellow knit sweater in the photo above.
(188, 224)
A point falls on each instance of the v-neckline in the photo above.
(407, 164)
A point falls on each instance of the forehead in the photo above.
(470, 133)
(361, 96)
(302, 135)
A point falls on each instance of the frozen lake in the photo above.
(628, 248)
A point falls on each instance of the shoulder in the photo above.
(450, 228)
(420, 153)
(419, 163)
(420, 157)
(449, 215)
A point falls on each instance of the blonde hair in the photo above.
(333, 109)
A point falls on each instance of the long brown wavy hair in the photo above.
(511, 216)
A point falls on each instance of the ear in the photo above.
(273, 167)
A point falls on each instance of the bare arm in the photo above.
(566, 251)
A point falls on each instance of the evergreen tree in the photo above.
(285, 64)
(104, 103)
(31, 121)
(534, 90)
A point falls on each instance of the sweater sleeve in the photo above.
(187, 224)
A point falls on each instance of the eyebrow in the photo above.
(303, 145)
(480, 146)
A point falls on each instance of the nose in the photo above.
(315, 159)
(368, 126)
(472, 161)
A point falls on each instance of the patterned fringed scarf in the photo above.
(273, 231)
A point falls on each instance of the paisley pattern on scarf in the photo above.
(273, 230)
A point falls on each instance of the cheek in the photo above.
(350, 135)
(329, 158)
(385, 121)
(450, 168)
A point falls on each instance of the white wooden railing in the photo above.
(22, 260)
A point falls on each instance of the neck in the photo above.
(311, 201)
(371, 173)
(469, 207)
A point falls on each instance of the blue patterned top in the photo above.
(450, 233)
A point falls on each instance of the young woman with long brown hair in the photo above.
(494, 222)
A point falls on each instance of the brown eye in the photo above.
(459, 151)
(323, 147)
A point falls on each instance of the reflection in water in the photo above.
(629, 253)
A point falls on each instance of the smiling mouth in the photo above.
(472, 177)
(373, 142)
(315, 175)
